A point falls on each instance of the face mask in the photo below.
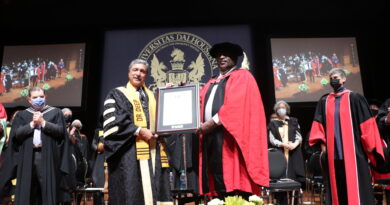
(68, 118)
(281, 111)
(335, 83)
(38, 102)
(374, 112)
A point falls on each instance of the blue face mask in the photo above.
(38, 102)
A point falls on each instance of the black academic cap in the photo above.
(226, 48)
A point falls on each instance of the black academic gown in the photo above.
(82, 143)
(97, 161)
(52, 135)
(8, 168)
(295, 168)
(68, 168)
(124, 180)
(359, 133)
(81, 151)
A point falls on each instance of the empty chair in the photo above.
(278, 182)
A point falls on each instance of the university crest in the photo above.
(179, 57)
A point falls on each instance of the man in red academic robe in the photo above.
(349, 138)
(233, 142)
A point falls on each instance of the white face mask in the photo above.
(281, 111)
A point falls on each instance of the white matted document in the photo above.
(178, 109)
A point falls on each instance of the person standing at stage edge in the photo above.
(38, 134)
(136, 157)
(233, 141)
(346, 130)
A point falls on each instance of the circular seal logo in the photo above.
(178, 57)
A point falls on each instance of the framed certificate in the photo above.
(178, 109)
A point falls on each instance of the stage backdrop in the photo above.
(174, 54)
(301, 66)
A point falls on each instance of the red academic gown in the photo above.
(314, 67)
(277, 82)
(41, 75)
(359, 134)
(244, 138)
(378, 175)
(2, 87)
(3, 113)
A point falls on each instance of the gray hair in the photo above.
(339, 71)
(280, 102)
(64, 110)
(77, 121)
(139, 61)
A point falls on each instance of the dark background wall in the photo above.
(60, 21)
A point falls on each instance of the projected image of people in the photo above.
(301, 65)
(56, 68)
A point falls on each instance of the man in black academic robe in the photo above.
(349, 138)
(136, 160)
(38, 134)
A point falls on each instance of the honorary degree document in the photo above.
(178, 109)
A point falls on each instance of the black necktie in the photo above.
(144, 103)
(142, 97)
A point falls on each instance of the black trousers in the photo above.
(212, 161)
(341, 181)
(36, 179)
